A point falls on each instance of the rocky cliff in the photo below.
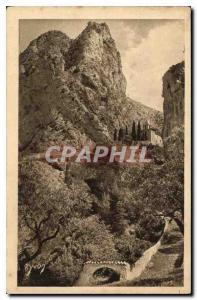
(73, 90)
(173, 93)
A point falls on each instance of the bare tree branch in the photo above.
(25, 257)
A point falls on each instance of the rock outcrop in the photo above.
(73, 89)
(173, 93)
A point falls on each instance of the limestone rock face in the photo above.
(73, 91)
(173, 93)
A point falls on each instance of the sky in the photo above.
(147, 48)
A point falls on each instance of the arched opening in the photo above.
(106, 275)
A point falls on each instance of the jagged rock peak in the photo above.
(51, 40)
(99, 31)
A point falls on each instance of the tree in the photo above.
(126, 130)
(90, 239)
(138, 131)
(133, 132)
(115, 134)
(39, 237)
(144, 135)
(162, 190)
(120, 134)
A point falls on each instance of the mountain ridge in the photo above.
(73, 90)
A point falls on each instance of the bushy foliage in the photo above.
(94, 211)
(149, 227)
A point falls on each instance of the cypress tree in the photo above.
(126, 130)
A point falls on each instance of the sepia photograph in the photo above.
(99, 126)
